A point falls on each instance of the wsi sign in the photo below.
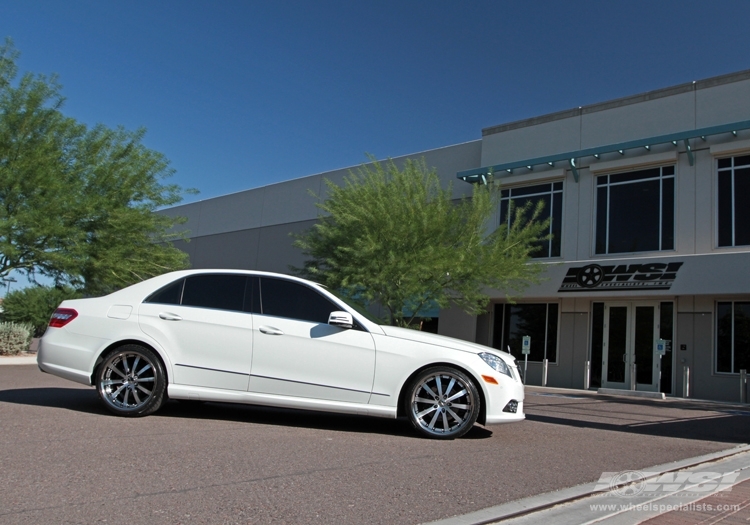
(620, 277)
(636, 483)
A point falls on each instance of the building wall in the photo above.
(711, 273)
(254, 229)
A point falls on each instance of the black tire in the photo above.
(131, 381)
(442, 403)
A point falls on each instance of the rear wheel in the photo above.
(131, 381)
(443, 403)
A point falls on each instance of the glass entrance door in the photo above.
(629, 336)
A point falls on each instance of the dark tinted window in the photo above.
(734, 190)
(550, 196)
(252, 295)
(732, 336)
(635, 211)
(539, 321)
(283, 298)
(170, 294)
(221, 291)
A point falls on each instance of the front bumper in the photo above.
(502, 398)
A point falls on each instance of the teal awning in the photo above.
(571, 159)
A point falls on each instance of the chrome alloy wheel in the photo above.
(444, 403)
(129, 381)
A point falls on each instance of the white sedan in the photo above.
(274, 340)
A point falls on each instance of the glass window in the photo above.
(597, 344)
(732, 336)
(221, 291)
(635, 211)
(666, 332)
(170, 294)
(734, 191)
(551, 196)
(539, 321)
(294, 300)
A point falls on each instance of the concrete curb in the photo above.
(531, 504)
(631, 393)
(27, 359)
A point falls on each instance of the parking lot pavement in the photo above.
(65, 459)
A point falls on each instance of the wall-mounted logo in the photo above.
(620, 277)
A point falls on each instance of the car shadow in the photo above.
(721, 428)
(705, 421)
(76, 399)
(288, 417)
(87, 401)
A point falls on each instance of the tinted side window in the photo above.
(224, 292)
(294, 300)
(170, 294)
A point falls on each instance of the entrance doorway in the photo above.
(624, 336)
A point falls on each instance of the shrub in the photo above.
(15, 338)
(34, 305)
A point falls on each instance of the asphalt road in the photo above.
(64, 459)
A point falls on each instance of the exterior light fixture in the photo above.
(574, 169)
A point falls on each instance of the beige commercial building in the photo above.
(647, 283)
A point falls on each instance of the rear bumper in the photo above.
(66, 356)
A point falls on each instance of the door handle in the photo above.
(169, 317)
(270, 330)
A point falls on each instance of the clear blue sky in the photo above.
(240, 94)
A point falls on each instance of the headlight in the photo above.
(496, 363)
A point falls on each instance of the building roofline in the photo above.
(619, 102)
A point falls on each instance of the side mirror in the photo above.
(341, 319)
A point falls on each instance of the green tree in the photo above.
(77, 203)
(395, 237)
(34, 305)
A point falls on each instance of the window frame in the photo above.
(556, 187)
(730, 169)
(732, 303)
(268, 279)
(609, 184)
(499, 309)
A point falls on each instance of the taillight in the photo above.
(61, 317)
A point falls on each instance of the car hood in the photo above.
(440, 340)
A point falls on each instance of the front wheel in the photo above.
(131, 381)
(443, 403)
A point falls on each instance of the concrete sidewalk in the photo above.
(23, 359)
(647, 499)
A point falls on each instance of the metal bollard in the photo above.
(587, 376)
(685, 381)
(544, 372)
(743, 386)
